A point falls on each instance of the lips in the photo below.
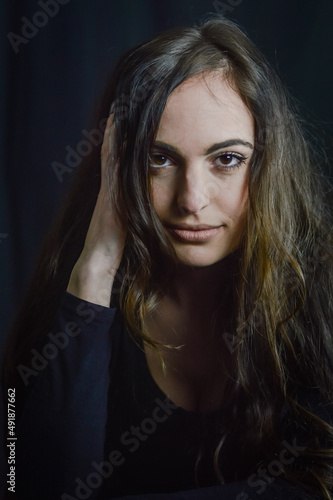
(195, 233)
(192, 227)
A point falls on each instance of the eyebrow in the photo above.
(210, 150)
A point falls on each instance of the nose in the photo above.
(192, 192)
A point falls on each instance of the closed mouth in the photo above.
(196, 234)
(187, 227)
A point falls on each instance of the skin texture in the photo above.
(197, 187)
(194, 187)
(194, 182)
(189, 184)
(93, 274)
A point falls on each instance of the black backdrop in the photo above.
(55, 54)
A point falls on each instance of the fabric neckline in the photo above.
(206, 414)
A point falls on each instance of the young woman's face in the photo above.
(200, 168)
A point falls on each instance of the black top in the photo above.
(158, 441)
(96, 425)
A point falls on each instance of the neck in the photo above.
(190, 287)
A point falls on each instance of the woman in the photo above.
(177, 335)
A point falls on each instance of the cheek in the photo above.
(161, 196)
(233, 199)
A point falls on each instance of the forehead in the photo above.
(203, 110)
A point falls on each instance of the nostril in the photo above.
(184, 211)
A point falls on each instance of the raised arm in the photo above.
(61, 430)
(94, 272)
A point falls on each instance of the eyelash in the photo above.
(241, 160)
(159, 155)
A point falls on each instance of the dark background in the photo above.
(49, 85)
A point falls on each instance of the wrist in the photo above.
(92, 278)
(96, 262)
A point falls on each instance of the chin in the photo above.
(201, 257)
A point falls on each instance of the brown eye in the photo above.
(229, 161)
(159, 160)
(226, 159)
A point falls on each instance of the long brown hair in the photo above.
(282, 340)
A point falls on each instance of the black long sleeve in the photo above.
(62, 427)
(62, 430)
